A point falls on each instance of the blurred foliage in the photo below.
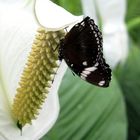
(88, 112)
(133, 19)
(128, 77)
(133, 9)
(73, 6)
(132, 14)
(92, 113)
(129, 74)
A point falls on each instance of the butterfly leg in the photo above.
(58, 45)
(60, 56)
(55, 73)
(73, 73)
(60, 53)
(54, 49)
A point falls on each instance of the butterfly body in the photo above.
(82, 50)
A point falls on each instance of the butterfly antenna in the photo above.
(66, 29)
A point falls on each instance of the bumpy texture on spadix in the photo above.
(37, 76)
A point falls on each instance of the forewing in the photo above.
(83, 53)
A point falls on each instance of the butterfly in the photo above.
(82, 51)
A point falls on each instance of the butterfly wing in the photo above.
(82, 51)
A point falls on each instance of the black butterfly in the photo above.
(83, 52)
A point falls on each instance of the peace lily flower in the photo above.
(28, 64)
(115, 36)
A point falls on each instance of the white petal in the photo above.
(17, 31)
(89, 9)
(53, 16)
(49, 113)
(13, 3)
(115, 46)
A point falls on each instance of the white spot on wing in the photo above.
(71, 65)
(86, 72)
(101, 83)
(83, 74)
(95, 35)
(85, 63)
(82, 77)
(83, 23)
(91, 27)
(91, 69)
(96, 64)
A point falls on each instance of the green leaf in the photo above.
(133, 19)
(73, 6)
(133, 10)
(89, 112)
(129, 79)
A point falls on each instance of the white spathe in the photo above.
(116, 46)
(18, 26)
(114, 30)
(115, 36)
(62, 17)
